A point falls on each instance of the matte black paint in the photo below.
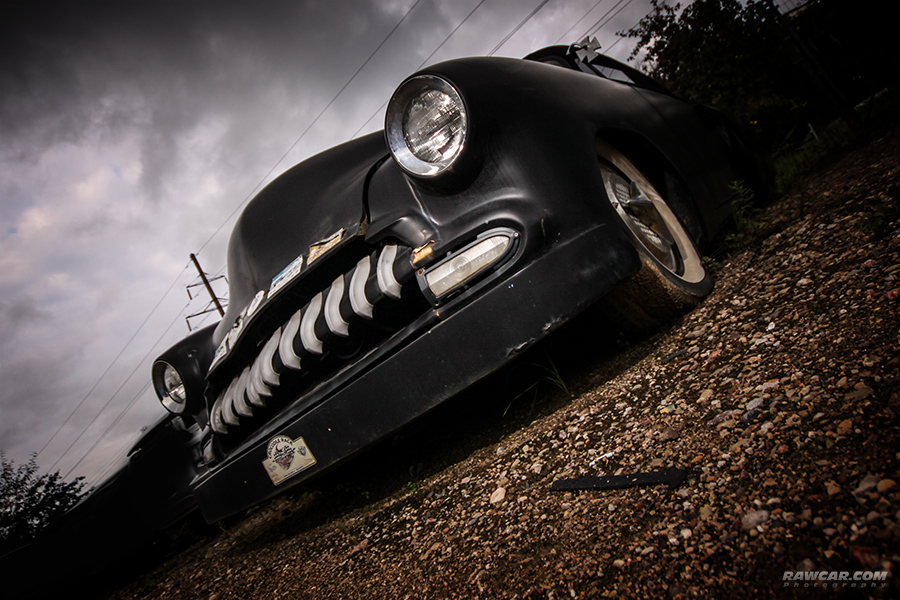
(529, 164)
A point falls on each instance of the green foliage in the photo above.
(30, 502)
(781, 74)
(746, 215)
(828, 144)
(773, 72)
(710, 263)
(882, 213)
(726, 54)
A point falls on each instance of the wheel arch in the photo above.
(663, 173)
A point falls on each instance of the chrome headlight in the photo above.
(169, 387)
(426, 125)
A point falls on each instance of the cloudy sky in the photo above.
(131, 133)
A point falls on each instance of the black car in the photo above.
(372, 282)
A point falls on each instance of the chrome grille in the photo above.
(327, 322)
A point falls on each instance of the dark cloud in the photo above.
(132, 129)
(16, 314)
(68, 68)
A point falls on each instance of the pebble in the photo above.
(749, 416)
(869, 482)
(886, 485)
(775, 480)
(669, 434)
(722, 417)
(754, 518)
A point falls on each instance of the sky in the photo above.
(131, 134)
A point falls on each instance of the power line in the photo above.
(115, 422)
(583, 17)
(308, 127)
(603, 20)
(518, 27)
(114, 459)
(297, 141)
(118, 356)
(620, 38)
(116, 393)
(130, 405)
(422, 64)
(446, 39)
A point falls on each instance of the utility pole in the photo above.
(212, 295)
(206, 283)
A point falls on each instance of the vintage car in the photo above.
(376, 280)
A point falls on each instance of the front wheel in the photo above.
(672, 279)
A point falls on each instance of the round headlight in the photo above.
(169, 387)
(426, 125)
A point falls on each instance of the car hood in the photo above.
(306, 204)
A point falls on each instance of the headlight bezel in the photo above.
(174, 398)
(396, 118)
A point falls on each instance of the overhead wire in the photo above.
(117, 357)
(239, 206)
(583, 17)
(603, 20)
(119, 389)
(422, 64)
(516, 29)
(105, 471)
(115, 422)
(622, 37)
(308, 127)
(593, 29)
(131, 404)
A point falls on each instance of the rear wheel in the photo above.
(659, 218)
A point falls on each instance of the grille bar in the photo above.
(306, 335)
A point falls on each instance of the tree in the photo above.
(733, 55)
(29, 502)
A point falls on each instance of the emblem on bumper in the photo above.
(286, 457)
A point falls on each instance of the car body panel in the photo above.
(529, 168)
(421, 374)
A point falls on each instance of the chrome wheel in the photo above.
(649, 218)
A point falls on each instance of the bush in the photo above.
(30, 503)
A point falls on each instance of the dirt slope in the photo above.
(779, 395)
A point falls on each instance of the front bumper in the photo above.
(471, 337)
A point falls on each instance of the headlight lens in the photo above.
(169, 387)
(426, 125)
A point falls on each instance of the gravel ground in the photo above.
(779, 396)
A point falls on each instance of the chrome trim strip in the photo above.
(216, 421)
(286, 345)
(336, 322)
(308, 326)
(263, 371)
(386, 280)
(239, 400)
(359, 302)
(227, 408)
(257, 389)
